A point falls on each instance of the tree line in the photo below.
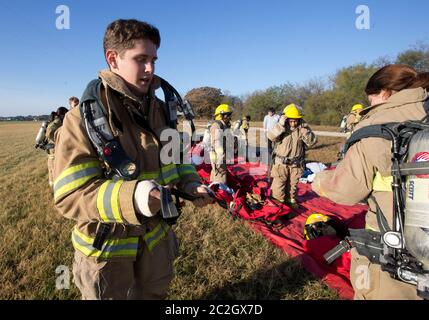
(324, 101)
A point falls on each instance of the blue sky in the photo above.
(236, 45)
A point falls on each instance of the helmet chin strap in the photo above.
(225, 118)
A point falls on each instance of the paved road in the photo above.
(318, 133)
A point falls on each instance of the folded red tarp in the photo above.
(290, 237)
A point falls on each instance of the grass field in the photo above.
(221, 258)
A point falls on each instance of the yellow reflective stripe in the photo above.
(219, 150)
(381, 183)
(168, 167)
(76, 184)
(165, 175)
(108, 201)
(185, 169)
(169, 174)
(74, 177)
(115, 201)
(109, 242)
(100, 201)
(149, 176)
(111, 248)
(76, 168)
(157, 234)
(188, 172)
(213, 156)
(367, 227)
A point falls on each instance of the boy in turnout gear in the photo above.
(397, 93)
(241, 129)
(270, 121)
(51, 130)
(41, 141)
(124, 249)
(221, 143)
(244, 138)
(348, 124)
(244, 128)
(73, 102)
(291, 136)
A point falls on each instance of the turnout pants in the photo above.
(285, 181)
(218, 173)
(371, 283)
(147, 276)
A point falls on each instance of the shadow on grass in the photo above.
(285, 280)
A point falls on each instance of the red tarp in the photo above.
(290, 237)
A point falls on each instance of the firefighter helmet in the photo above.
(357, 107)
(291, 111)
(221, 110)
(318, 225)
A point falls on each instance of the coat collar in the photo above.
(118, 84)
(400, 98)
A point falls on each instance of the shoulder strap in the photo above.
(220, 123)
(94, 115)
(109, 150)
(373, 131)
(173, 104)
(426, 108)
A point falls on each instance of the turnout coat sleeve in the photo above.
(308, 136)
(52, 128)
(81, 192)
(217, 134)
(276, 132)
(352, 180)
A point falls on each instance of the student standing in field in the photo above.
(221, 143)
(51, 130)
(353, 118)
(291, 135)
(73, 102)
(124, 249)
(396, 93)
(270, 121)
(244, 136)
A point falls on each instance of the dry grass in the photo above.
(221, 258)
(325, 150)
(34, 238)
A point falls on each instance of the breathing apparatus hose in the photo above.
(188, 116)
(398, 211)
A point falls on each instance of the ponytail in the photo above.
(422, 81)
(391, 78)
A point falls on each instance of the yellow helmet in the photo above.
(291, 111)
(318, 225)
(357, 107)
(222, 109)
